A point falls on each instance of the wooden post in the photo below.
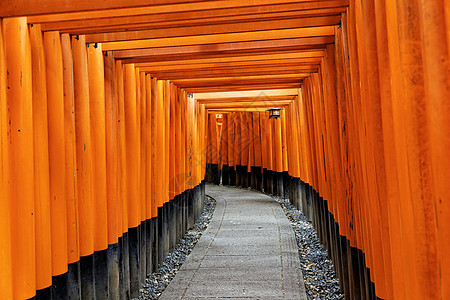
(55, 90)
(41, 162)
(21, 159)
(73, 247)
(84, 164)
(6, 284)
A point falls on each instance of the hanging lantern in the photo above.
(274, 112)
(219, 118)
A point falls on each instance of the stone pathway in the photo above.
(249, 251)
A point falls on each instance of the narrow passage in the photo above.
(249, 251)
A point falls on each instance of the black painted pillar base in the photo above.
(172, 225)
(166, 228)
(73, 281)
(265, 182)
(87, 277)
(232, 175)
(279, 184)
(258, 179)
(124, 261)
(238, 175)
(155, 243)
(142, 253)
(113, 270)
(244, 177)
(295, 192)
(253, 178)
(225, 175)
(134, 254)
(286, 180)
(191, 220)
(160, 249)
(215, 174)
(270, 183)
(148, 248)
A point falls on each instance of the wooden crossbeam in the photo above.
(236, 109)
(247, 94)
(246, 104)
(307, 56)
(266, 63)
(261, 98)
(246, 87)
(250, 77)
(235, 71)
(66, 10)
(130, 30)
(184, 27)
(221, 38)
(183, 52)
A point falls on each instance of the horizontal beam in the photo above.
(246, 87)
(190, 30)
(200, 84)
(48, 10)
(237, 109)
(234, 72)
(251, 77)
(272, 99)
(144, 27)
(318, 54)
(247, 94)
(313, 62)
(182, 52)
(246, 104)
(220, 38)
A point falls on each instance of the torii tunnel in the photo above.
(114, 114)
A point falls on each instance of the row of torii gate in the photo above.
(114, 114)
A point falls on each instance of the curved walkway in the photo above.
(248, 252)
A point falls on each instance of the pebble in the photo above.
(157, 282)
(317, 269)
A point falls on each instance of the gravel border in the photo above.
(318, 270)
(157, 282)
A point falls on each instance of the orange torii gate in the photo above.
(108, 130)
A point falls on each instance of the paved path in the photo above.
(247, 252)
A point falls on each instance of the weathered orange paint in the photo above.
(112, 151)
(159, 113)
(57, 159)
(21, 158)
(6, 282)
(131, 144)
(41, 161)
(122, 181)
(150, 204)
(83, 146)
(73, 247)
(98, 142)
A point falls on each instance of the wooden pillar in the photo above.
(6, 284)
(122, 180)
(55, 90)
(73, 248)
(112, 178)
(151, 207)
(21, 159)
(41, 161)
(84, 163)
(132, 151)
(98, 142)
(434, 17)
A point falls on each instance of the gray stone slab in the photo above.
(248, 252)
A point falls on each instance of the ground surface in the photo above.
(249, 251)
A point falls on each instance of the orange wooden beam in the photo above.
(221, 38)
